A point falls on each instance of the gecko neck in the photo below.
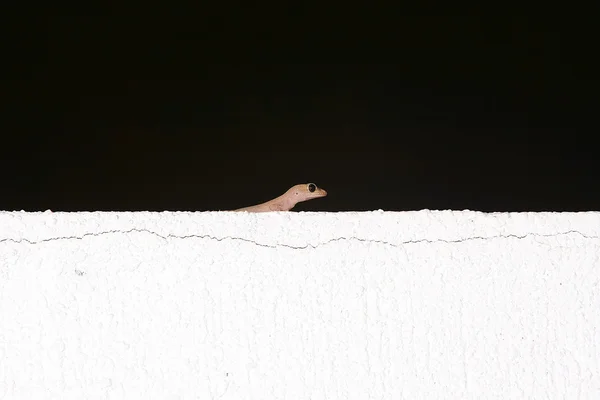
(282, 203)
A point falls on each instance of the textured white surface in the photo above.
(378, 305)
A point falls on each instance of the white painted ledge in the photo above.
(380, 305)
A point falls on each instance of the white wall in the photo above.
(381, 305)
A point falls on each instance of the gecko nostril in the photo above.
(312, 187)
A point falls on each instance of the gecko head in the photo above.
(306, 191)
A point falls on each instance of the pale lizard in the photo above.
(289, 199)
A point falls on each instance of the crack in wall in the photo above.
(309, 245)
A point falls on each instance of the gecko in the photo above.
(289, 199)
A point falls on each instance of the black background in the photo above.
(223, 108)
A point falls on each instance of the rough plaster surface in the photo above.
(377, 305)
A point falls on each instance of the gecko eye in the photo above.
(312, 187)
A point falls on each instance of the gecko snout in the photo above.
(312, 188)
(316, 191)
